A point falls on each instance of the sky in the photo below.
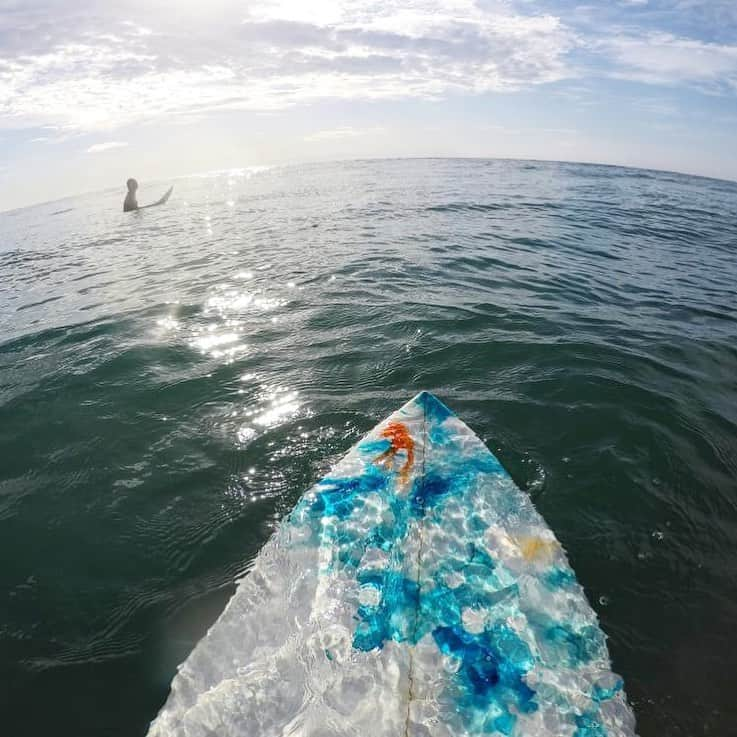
(93, 92)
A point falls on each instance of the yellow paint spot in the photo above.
(535, 548)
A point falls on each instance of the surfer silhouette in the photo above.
(131, 203)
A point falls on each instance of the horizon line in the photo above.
(317, 162)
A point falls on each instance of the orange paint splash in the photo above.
(398, 435)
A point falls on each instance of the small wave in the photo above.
(29, 305)
(466, 207)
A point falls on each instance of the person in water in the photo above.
(131, 203)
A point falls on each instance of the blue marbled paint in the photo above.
(588, 725)
(601, 693)
(341, 497)
(560, 578)
(490, 685)
(493, 665)
(374, 447)
(429, 491)
(576, 648)
(393, 617)
(436, 413)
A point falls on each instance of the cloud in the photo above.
(94, 70)
(100, 147)
(88, 68)
(662, 58)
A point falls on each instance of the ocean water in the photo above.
(171, 380)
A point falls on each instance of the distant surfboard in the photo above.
(166, 196)
(412, 592)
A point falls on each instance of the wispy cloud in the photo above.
(662, 58)
(107, 146)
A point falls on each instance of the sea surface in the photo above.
(171, 380)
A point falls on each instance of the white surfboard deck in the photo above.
(413, 592)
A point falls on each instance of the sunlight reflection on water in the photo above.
(231, 300)
(272, 407)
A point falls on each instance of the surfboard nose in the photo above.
(433, 410)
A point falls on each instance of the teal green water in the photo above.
(171, 380)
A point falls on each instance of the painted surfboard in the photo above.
(412, 592)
